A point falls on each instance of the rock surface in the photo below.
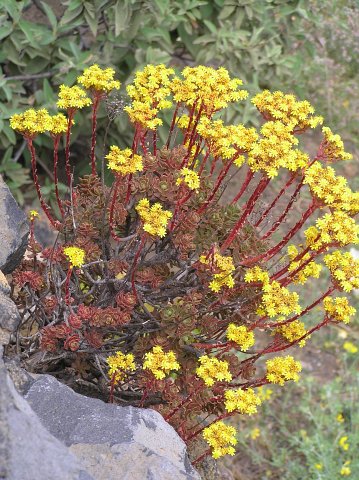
(27, 450)
(112, 442)
(14, 230)
(9, 318)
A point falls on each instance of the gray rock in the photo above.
(27, 450)
(9, 318)
(14, 230)
(112, 442)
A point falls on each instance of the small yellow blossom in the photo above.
(243, 401)
(212, 369)
(338, 309)
(256, 274)
(189, 177)
(333, 147)
(282, 369)
(286, 108)
(75, 255)
(311, 269)
(223, 266)
(340, 418)
(344, 269)
(278, 300)
(101, 80)
(221, 438)
(318, 466)
(293, 331)
(124, 162)
(345, 470)
(255, 433)
(343, 443)
(241, 335)
(33, 214)
(154, 218)
(31, 122)
(350, 347)
(160, 363)
(59, 124)
(120, 364)
(72, 98)
(336, 227)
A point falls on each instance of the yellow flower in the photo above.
(33, 214)
(120, 364)
(224, 268)
(31, 122)
(340, 418)
(318, 466)
(221, 438)
(311, 269)
(243, 401)
(101, 80)
(350, 347)
(345, 470)
(241, 335)
(190, 178)
(292, 331)
(286, 108)
(160, 363)
(338, 309)
(154, 218)
(278, 300)
(343, 443)
(124, 161)
(212, 369)
(72, 98)
(344, 269)
(332, 227)
(333, 147)
(282, 369)
(75, 255)
(255, 433)
(59, 124)
(256, 274)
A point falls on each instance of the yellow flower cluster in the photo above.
(120, 364)
(101, 80)
(287, 109)
(225, 141)
(338, 309)
(75, 255)
(33, 214)
(292, 331)
(72, 98)
(31, 122)
(208, 88)
(212, 369)
(335, 227)
(344, 268)
(256, 274)
(149, 93)
(345, 471)
(240, 335)
(160, 363)
(278, 300)
(59, 124)
(312, 269)
(220, 437)
(124, 161)
(343, 443)
(244, 401)
(154, 218)
(331, 189)
(274, 150)
(189, 177)
(333, 147)
(224, 276)
(282, 369)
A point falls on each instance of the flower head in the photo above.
(243, 401)
(31, 122)
(59, 124)
(343, 443)
(278, 300)
(120, 364)
(154, 218)
(282, 369)
(33, 214)
(337, 227)
(160, 363)
(75, 255)
(338, 309)
(344, 269)
(212, 369)
(124, 162)
(240, 335)
(223, 268)
(293, 331)
(345, 470)
(221, 438)
(333, 146)
(72, 98)
(189, 177)
(350, 347)
(101, 80)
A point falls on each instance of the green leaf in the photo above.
(50, 15)
(5, 30)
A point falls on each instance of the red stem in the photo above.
(56, 180)
(246, 182)
(67, 147)
(112, 208)
(134, 265)
(201, 457)
(96, 102)
(173, 123)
